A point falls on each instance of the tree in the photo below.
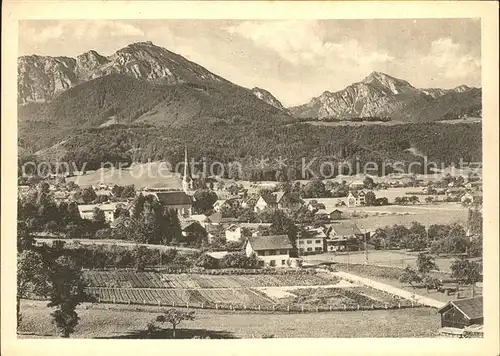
(67, 291)
(370, 198)
(415, 242)
(429, 199)
(438, 232)
(413, 199)
(381, 201)
(174, 317)
(140, 256)
(283, 225)
(73, 213)
(368, 182)
(204, 200)
(138, 206)
(314, 189)
(475, 222)
(396, 235)
(31, 277)
(25, 240)
(410, 276)
(88, 195)
(466, 272)
(426, 263)
(457, 242)
(98, 216)
(431, 283)
(128, 191)
(207, 261)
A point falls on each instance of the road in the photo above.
(390, 289)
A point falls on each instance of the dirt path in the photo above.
(390, 289)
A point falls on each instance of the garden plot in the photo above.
(133, 279)
(181, 297)
(354, 297)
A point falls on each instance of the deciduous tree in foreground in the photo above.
(174, 317)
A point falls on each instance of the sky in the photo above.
(293, 59)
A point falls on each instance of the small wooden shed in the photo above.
(462, 313)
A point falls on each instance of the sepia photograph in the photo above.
(232, 178)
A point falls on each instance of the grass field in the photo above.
(152, 174)
(372, 217)
(126, 322)
(379, 257)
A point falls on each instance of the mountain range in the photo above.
(380, 95)
(100, 108)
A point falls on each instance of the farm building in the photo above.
(462, 313)
(271, 251)
(335, 214)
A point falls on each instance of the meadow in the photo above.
(123, 321)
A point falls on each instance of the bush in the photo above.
(207, 261)
(238, 260)
(103, 234)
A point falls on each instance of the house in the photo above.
(321, 214)
(313, 205)
(273, 251)
(461, 313)
(201, 218)
(176, 200)
(233, 233)
(250, 201)
(335, 214)
(356, 199)
(61, 196)
(277, 200)
(343, 237)
(357, 184)
(219, 204)
(23, 189)
(311, 241)
(192, 230)
(466, 197)
(87, 211)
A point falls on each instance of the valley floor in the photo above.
(121, 321)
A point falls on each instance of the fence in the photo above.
(273, 308)
(138, 299)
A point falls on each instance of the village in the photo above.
(357, 231)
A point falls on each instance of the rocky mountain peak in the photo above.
(382, 80)
(267, 97)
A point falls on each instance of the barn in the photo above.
(462, 313)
